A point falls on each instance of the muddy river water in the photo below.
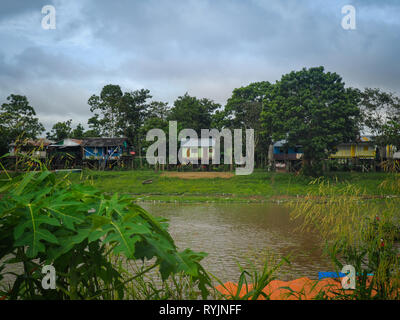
(243, 233)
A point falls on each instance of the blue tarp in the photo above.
(323, 275)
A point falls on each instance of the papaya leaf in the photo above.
(125, 234)
(32, 238)
(67, 216)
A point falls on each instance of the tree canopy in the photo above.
(381, 115)
(63, 129)
(60, 130)
(243, 111)
(312, 108)
(106, 108)
(191, 112)
(17, 120)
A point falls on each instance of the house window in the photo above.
(365, 148)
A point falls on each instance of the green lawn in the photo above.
(259, 186)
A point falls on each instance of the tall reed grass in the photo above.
(359, 232)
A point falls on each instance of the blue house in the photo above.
(283, 152)
(104, 148)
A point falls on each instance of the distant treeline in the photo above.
(310, 107)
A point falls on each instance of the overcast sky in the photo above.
(203, 47)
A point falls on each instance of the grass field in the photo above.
(257, 187)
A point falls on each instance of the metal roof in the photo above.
(365, 138)
(280, 143)
(67, 143)
(34, 143)
(103, 142)
(198, 142)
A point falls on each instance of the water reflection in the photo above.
(232, 233)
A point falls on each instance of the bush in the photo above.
(47, 220)
(356, 232)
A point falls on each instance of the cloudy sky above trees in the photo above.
(203, 47)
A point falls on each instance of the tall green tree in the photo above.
(243, 110)
(312, 108)
(193, 113)
(95, 127)
(17, 120)
(107, 110)
(118, 113)
(381, 115)
(156, 118)
(133, 113)
(157, 109)
(78, 132)
(61, 130)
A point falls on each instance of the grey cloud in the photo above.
(204, 47)
(14, 8)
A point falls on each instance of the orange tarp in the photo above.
(303, 288)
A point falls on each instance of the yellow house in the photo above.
(391, 152)
(364, 148)
(193, 150)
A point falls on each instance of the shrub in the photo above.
(357, 232)
(47, 220)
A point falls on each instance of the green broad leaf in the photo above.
(68, 242)
(189, 261)
(33, 241)
(166, 269)
(125, 235)
(86, 191)
(154, 223)
(164, 252)
(32, 197)
(38, 196)
(6, 187)
(25, 181)
(137, 228)
(129, 216)
(115, 205)
(43, 175)
(99, 221)
(187, 265)
(30, 232)
(67, 215)
(30, 224)
(144, 250)
(96, 235)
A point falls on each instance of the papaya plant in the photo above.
(47, 220)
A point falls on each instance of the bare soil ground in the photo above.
(197, 175)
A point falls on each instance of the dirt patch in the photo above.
(197, 175)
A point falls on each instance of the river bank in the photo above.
(260, 186)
